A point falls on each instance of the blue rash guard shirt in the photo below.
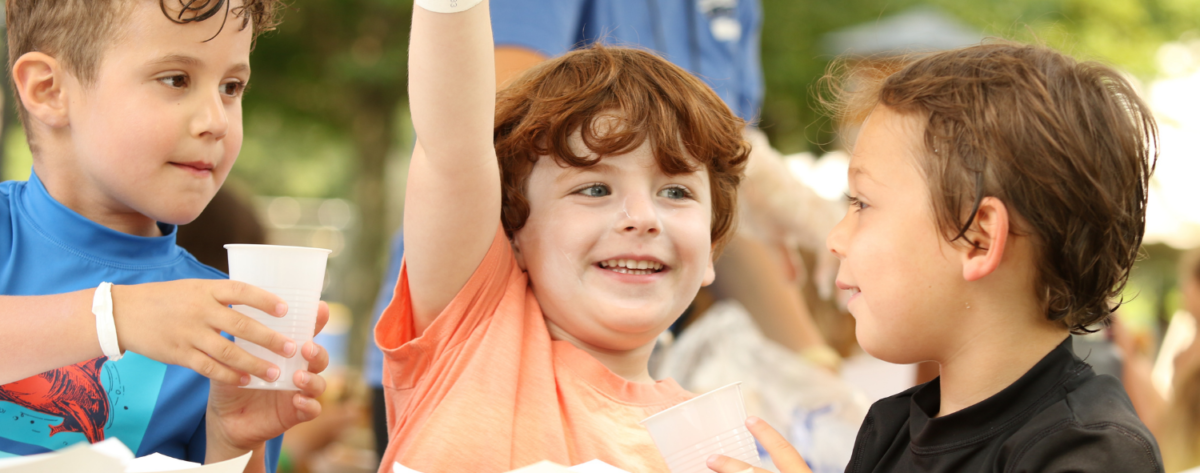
(47, 248)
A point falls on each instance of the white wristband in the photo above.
(447, 6)
(106, 327)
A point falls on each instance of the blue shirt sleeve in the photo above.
(549, 27)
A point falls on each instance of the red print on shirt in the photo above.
(73, 393)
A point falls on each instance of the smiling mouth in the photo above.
(628, 266)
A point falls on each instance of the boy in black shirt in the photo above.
(998, 201)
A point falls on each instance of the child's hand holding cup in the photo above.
(295, 274)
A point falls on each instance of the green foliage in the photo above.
(1126, 33)
(331, 69)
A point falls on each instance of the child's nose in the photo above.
(637, 214)
(836, 241)
(210, 117)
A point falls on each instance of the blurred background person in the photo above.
(1166, 391)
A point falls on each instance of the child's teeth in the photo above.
(628, 266)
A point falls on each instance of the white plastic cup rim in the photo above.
(697, 420)
(233, 246)
(695, 400)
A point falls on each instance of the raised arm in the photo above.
(452, 205)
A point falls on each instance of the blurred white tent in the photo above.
(1173, 216)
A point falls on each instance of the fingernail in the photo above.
(244, 380)
(289, 349)
(272, 374)
(281, 309)
(751, 420)
(311, 348)
(712, 460)
(303, 377)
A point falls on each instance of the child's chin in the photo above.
(178, 216)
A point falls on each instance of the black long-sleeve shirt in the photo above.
(1058, 417)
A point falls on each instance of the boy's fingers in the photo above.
(235, 358)
(318, 358)
(211, 369)
(724, 464)
(322, 317)
(243, 327)
(310, 384)
(240, 293)
(306, 408)
(785, 457)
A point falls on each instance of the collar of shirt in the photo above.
(76, 234)
(1010, 407)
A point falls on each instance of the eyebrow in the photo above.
(600, 167)
(192, 61)
(856, 171)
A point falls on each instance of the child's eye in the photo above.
(595, 190)
(675, 193)
(855, 203)
(233, 89)
(176, 81)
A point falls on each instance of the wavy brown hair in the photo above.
(688, 125)
(1068, 146)
(76, 32)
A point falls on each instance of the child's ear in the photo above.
(986, 239)
(39, 81)
(710, 273)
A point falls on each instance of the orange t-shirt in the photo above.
(485, 389)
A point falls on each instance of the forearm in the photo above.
(1149, 404)
(42, 333)
(452, 203)
(746, 272)
(452, 89)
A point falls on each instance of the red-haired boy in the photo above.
(551, 235)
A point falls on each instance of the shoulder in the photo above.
(1093, 428)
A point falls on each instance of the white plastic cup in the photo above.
(712, 423)
(295, 274)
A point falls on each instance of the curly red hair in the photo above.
(686, 122)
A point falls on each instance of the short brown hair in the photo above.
(685, 121)
(76, 31)
(1068, 146)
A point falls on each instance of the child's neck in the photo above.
(75, 191)
(632, 365)
(992, 356)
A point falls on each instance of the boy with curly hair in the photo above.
(551, 234)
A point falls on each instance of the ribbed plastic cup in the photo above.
(712, 423)
(295, 274)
